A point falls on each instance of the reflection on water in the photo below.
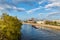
(30, 33)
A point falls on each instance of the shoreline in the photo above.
(44, 25)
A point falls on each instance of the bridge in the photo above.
(44, 26)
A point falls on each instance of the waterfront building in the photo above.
(40, 22)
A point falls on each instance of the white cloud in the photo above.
(40, 14)
(33, 10)
(40, 2)
(52, 14)
(53, 0)
(1, 8)
(7, 7)
(54, 3)
(25, 0)
(18, 9)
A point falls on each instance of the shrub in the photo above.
(9, 27)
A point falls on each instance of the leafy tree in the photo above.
(9, 27)
(52, 23)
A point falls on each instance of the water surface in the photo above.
(30, 33)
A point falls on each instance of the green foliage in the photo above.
(52, 23)
(9, 27)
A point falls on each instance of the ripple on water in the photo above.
(30, 33)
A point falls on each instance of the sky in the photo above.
(27, 9)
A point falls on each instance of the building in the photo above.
(40, 22)
(31, 21)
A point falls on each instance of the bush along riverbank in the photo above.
(9, 27)
(52, 23)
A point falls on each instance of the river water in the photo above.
(31, 33)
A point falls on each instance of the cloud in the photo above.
(10, 7)
(33, 10)
(53, 0)
(26, 0)
(18, 9)
(41, 1)
(52, 14)
(40, 14)
(54, 3)
(1, 8)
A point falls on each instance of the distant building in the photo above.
(40, 22)
(31, 21)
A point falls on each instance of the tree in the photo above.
(9, 27)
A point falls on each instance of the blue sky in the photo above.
(26, 9)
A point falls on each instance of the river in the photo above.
(31, 33)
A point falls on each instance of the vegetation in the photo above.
(9, 27)
(52, 23)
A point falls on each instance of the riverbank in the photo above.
(44, 25)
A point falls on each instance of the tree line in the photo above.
(52, 23)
